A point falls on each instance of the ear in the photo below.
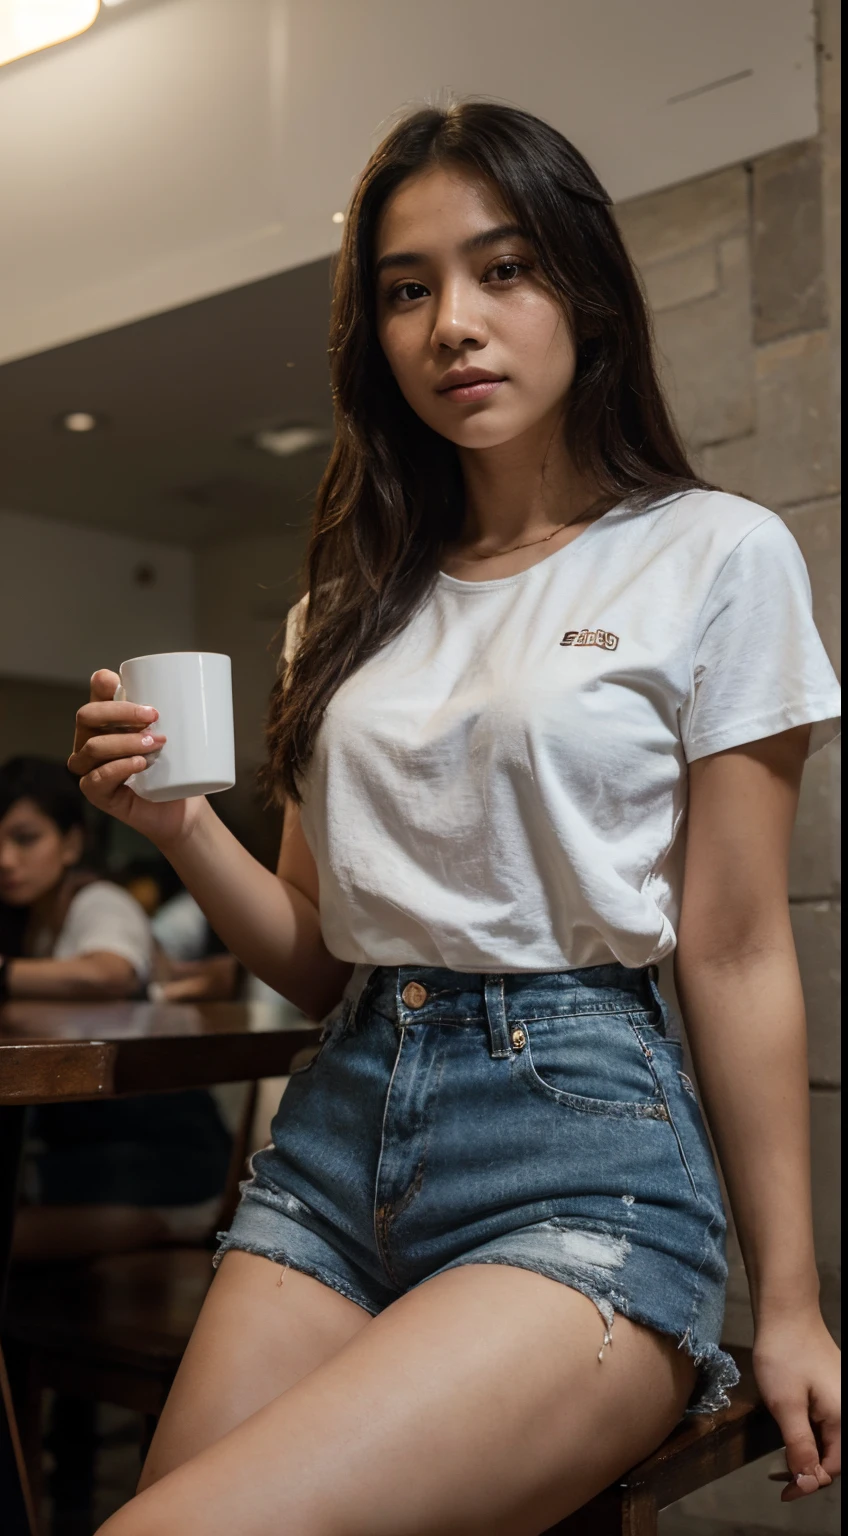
(73, 844)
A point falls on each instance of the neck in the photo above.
(48, 911)
(521, 489)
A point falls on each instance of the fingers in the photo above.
(101, 784)
(98, 716)
(104, 683)
(188, 990)
(802, 1454)
(830, 1430)
(104, 749)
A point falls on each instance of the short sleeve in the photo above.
(295, 620)
(760, 666)
(103, 917)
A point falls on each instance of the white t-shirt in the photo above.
(503, 787)
(102, 917)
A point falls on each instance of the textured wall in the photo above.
(742, 271)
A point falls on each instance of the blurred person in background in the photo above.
(97, 1176)
(190, 964)
(64, 932)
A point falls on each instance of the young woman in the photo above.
(64, 933)
(97, 1176)
(538, 660)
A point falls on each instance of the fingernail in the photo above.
(148, 711)
(823, 1477)
(147, 741)
(807, 1482)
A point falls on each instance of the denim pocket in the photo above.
(594, 1063)
(334, 1026)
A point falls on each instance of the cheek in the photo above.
(403, 347)
(543, 347)
(43, 862)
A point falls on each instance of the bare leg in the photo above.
(255, 1337)
(476, 1404)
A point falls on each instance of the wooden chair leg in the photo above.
(639, 1513)
(616, 1512)
(26, 1390)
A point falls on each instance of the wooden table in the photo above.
(55, 1053)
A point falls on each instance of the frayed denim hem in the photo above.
(718, 1371)
(282, 1258)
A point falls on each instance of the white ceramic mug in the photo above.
(193, 692)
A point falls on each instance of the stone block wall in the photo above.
(742, 272)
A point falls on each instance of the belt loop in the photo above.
(659, 1001)
(493, 992)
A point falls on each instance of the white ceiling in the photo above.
(185, 147)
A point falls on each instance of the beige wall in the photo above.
(75, 598)
(38, 718)
(742, 270)
(244, 590)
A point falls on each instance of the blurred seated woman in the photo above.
(106, 1175)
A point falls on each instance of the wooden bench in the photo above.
(703, 1448)
(115, 1330)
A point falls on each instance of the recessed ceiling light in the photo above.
(79, 421)
(338, 218)
(27, 28)
(284, 441)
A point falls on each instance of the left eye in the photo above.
(504, 267)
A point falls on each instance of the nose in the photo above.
(459, 318)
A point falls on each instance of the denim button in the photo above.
(414, 994)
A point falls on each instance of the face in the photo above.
(34, 854)
(455, 294)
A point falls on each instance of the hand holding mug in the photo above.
(154, 740)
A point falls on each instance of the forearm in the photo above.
(92, 976)
(267, 923)
(746, 1027)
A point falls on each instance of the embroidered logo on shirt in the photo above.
(602, 637)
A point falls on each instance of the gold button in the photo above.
(519, 1039)
(414, 995)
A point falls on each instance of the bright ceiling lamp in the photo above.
(29, 25)
(284, 441)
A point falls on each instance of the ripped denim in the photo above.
(536, 1120)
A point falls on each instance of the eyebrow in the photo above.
(474, 243)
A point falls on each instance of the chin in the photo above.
(482, 435)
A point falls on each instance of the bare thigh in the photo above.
(254, 1338)
(473, 1406)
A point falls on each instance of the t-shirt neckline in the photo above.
(458, 584)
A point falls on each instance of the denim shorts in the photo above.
(537, 1120)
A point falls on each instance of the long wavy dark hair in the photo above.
(392, 494)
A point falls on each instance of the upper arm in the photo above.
(742, 807)
(107, 923)
(296, 865)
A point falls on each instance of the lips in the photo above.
(463, 379)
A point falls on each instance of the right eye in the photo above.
(396, 292)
